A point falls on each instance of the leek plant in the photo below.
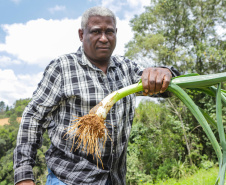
(90, 130)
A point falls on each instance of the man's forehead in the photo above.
(97, 20)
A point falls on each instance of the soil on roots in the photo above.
(90, 133)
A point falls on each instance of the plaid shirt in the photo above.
(70, 87)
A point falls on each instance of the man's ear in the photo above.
(80, 34)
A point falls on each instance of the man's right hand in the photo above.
(26, 182)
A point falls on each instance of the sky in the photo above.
(32, 33)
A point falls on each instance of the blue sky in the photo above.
(32, 33)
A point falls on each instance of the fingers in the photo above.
(166, 82)
(146, 81)
(155, 80)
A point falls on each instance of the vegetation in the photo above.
(8, 134)
(15, 111)
(183, 34)
(201, 177)
(157, 149)
(167, 145)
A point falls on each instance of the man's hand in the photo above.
(26, 182)
(155, 80)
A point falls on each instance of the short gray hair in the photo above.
(96, 11)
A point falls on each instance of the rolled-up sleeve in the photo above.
(36, 117)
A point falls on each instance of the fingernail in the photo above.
(150, 94)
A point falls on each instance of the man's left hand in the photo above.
(155, 80)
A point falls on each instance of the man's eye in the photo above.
(110, 31)
(95, 31)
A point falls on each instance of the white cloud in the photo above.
(136, 7)
(138, 3)
(124, 35)
(40, 41)
(6, 61)
(56, 8)
(113, 5)
(14, 87)
(128, 7)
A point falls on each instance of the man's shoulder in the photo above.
(74, 56)
(66, 59)
(120, 59)
(124, 61)
(68, 56)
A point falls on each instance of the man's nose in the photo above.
(103, 38)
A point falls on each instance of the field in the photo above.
(5, 121)
(201, 177)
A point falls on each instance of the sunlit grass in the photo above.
(201, 177)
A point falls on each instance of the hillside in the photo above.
(5, 121)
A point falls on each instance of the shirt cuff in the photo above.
(174, 71)
(23, 173)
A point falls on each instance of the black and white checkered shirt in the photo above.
(70, 87)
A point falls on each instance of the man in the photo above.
(72, 84)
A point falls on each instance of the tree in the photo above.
(156, 142)
(20, 105)
(8, 135)
(182, 33)
(2, 106)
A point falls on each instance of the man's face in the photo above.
(99, 38)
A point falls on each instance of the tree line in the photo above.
(185, 34)
(8, 135)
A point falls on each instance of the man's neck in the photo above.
(103, 65)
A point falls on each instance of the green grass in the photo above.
(201, 177)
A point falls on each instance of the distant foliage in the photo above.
(168, 141)
(8, 135)
(182, 33)
(15, 111)
(157, 149)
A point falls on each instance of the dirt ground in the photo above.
(6, 121)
